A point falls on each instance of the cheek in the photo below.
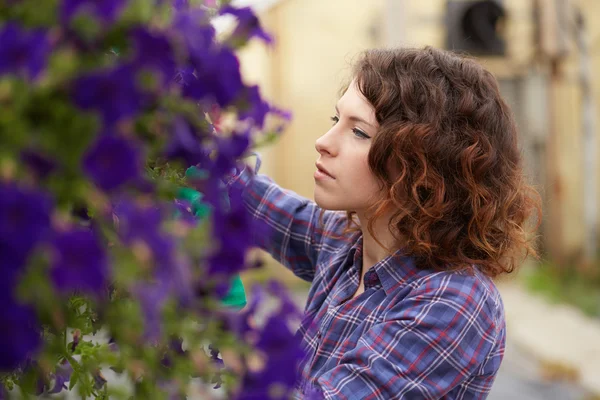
(364, 178)
(367, 174)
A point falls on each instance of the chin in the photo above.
(328, 202)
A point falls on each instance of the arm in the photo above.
(434, 340)
(295, 232)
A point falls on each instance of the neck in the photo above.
(373, 252)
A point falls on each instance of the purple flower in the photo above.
(181, 5)
(226, 261)
(81, 262)
(99, 380)
(233, 228)
(184, 76)
(194, 29)
(288, 305)
(284, 352)
(106, 10)
(61, 377)
(215, 71)
(137, 221)
(218, 77)
(20, 336)
(23, 51)
(24, 222)
(185, 143)
(248, 24)
(152, 298)
(143, 223)
(253, 106)
(313, 393)
(154, 51)
(229, 150)
(111, 162)
(276, 341)
(113, 93)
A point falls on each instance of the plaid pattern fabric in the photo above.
(412, 334)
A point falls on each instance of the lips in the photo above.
(323, 170)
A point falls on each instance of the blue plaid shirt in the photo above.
(412, 334)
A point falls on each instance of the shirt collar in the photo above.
(394, 271)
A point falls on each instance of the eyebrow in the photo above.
(355, 118)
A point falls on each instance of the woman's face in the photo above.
(343, 179)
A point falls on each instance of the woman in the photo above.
(419, 202)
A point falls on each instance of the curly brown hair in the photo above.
(447, 155)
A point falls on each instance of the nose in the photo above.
(325, 144)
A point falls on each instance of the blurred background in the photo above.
(546, 56)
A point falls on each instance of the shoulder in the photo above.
(467, 294)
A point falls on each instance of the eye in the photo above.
(360, 134)
(357, 132)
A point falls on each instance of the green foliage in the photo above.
(563, 284)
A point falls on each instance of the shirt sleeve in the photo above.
(438, 338)
(295, 228)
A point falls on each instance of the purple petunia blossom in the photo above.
(105, 10)
(233, 227)
(253, 106)
(288, 305)
(24, 222)
(181, 5)
(226, 261)
(23, 51)
(229, 150)
(283, 350)
(61, 377)
(154, 51)
(215, 71)
(194, 29)
(143, 224)
(81, 262)
(152, 298)
(313, 393)
(99, 380)
(136, 221)
(185, 143)
(111, 162)
(248, 24)
(20, 336)
(218, 77)
(113, 93)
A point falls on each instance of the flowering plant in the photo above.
(103, 105)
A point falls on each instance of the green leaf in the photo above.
(74, 379)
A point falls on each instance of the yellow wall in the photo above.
(591, 10)
(565, 189)
(314, 45)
